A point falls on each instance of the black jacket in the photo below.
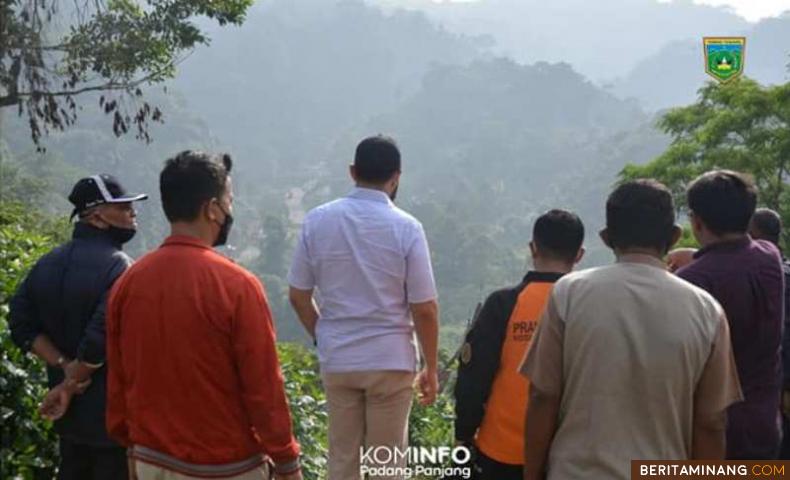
(481, 355)
(64, 297)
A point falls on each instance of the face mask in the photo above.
(224, 229)
(121, 235)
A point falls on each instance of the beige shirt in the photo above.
(633, 351)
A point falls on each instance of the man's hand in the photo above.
(426, 325)
(56, 402)
(427, 384)
(305, 308)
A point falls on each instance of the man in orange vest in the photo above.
(490, 395)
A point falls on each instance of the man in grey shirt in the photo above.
(369, 265)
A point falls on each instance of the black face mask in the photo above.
(121, 235)
(224, 230)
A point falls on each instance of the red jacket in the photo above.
(193, 370)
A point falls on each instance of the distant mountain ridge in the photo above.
(672, 76)
(602, 39)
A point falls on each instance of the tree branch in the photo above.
(14, 96)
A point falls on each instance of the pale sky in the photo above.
(752, 10)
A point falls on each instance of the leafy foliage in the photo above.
(28, 448)
(308, 406)
(52, 51)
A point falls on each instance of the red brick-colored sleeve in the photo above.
(263, 389)
(116, 399)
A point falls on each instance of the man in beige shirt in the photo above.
(629, 362)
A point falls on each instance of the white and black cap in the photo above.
(100, 189)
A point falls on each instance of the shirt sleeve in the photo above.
(91, 348)
(301, 273)
(262, 385)
(23, 321)
(480, 359)
(420, 285)
(116, 414)
(718, 386)
(542, 364)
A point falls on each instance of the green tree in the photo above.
(741, 126)
(52, 51)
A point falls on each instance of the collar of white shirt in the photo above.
(370, 194)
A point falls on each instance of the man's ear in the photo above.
(604, 234)
(96, 217)
(208, 210)
(395, 179)
(677, 232)
(579, 255)
(352, 171)
(696, 224)
(533, 250)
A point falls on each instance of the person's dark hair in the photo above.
(640, 213)
(376, 159)
(189, 180)
(724, 200)
(559, 234)
(766, 224)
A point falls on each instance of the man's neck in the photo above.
(650, 252)
(194, 230)
(725, 238)
(551, 266)
(371, 186)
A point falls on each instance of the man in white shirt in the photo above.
(368, 263)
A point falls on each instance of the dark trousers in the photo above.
(86, 462)
(784, 453)
(486, 468)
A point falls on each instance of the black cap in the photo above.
(100, 189)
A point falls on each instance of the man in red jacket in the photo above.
(195, 388)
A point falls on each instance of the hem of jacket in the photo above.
(168, 462)
(287, 468)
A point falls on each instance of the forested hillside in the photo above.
(488, 143)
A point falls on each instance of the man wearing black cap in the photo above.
(58, 314)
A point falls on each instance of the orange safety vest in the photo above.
(501, 434)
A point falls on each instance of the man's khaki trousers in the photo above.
(366, 409)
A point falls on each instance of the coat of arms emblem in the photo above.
(724, 57)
